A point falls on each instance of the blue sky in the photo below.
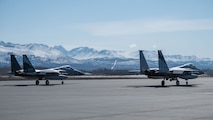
(174, 26)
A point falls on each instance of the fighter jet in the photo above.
(30, 72)
(186, 71)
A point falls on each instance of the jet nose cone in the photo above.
(200, 72)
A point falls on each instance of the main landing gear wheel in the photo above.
(37, 82)
(177, 83)
(47, 82)
(162, 83)
(62, 82)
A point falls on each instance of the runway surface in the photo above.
(131, 99)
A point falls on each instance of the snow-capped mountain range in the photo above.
(88, 58)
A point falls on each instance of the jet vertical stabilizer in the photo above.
(28, 67)
(143, 64)
(163, 67)
(14, 64)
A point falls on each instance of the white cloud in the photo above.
(132, 45)
(154, 46)
(145, 26)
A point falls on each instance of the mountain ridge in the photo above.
(89, 58)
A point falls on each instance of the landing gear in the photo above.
(177, 82)
(47, 82)
(187, 82)
(37, 82)
(163, 83)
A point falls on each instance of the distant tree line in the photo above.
(101, 71)
(105, 71)
(209, 72)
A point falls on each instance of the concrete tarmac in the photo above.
(119, 99)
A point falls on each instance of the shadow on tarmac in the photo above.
(159, 86)
(28, 85)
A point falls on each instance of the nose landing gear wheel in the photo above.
(62, 82)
